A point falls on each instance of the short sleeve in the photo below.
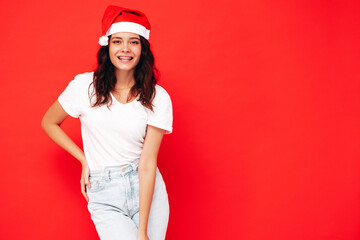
(70, 98)
(162, 116)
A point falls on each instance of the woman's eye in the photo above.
(116, 41)
(135, 42)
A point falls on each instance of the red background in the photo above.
(266, 116)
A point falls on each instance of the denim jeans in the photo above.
(114, 204)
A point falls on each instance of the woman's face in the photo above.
(125, 50)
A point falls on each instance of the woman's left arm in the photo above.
(147, 175)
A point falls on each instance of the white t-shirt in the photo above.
(114, 137)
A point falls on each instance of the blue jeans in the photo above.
(114, 204)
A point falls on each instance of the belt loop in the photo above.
(134, 166)
(107, 175)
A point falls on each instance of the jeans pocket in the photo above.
(96, 185)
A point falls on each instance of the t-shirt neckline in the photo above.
(114, 98)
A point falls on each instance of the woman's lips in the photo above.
(125, 59)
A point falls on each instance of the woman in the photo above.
(124, 115)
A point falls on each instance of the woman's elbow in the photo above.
(147, 165)
(44, 123)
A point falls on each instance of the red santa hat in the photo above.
(119, 19)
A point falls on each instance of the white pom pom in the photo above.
(104, 40)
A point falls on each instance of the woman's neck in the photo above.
(124, 79)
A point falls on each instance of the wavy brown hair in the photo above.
(146, 76)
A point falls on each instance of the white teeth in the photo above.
(125, 58)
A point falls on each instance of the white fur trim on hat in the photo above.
(124, 27)
(128, 27)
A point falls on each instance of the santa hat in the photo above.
(119, 19)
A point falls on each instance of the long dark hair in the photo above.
(146, 76)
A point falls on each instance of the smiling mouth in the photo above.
(125, 58)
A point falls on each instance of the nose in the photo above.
(125, 48)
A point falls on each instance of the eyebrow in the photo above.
(130, 38)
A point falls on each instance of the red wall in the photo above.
(266, 140)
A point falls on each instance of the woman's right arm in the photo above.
(51, 122)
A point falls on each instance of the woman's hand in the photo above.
(85, 173)
(142, 236)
